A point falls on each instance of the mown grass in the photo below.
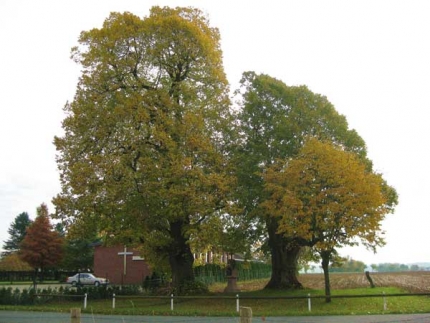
(263, 303)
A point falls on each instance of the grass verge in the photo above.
(262, 302)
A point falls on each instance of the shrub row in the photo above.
(10, 296)
(20, 276)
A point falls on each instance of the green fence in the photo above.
(213, 273)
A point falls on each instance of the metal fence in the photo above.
(308, 298)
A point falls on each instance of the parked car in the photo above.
(86, 279)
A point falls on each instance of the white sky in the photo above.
(370, 58)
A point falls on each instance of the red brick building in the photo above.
(120, 265)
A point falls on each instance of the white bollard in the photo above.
(113, 300)
(85, 301)
(237, 303)
(171, 302)
(309, 303)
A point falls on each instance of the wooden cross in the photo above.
(125, 254)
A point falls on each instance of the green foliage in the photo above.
(275, 119)
(10, 296)
(17, 232)
(146, 156)
(392, 267)
(348, 265)
(153, 282)
(78, 254)
(189, 288)
(142, 157)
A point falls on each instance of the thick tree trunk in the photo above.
(284, 260)
(180, 257)
(325, 260)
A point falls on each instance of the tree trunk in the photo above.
(325, 260)
(35, 280)
(284, 260)
(180, 257)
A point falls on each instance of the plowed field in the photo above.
(412, 281)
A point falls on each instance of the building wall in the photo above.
(108, 263)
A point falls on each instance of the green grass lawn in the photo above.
(262, 302)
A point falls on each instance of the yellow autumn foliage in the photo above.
(327, 197)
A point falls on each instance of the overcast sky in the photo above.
(370, 58)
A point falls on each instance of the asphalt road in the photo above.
(48, 317)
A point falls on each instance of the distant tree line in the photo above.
(350, 265)
(393, 267)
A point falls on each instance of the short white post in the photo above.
(237, 303)
(171, 302)
(113, 300)
(309, 303)
(85, 301)
(385, 301)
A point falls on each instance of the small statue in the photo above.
(231, 273)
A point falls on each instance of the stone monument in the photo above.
(231, 273)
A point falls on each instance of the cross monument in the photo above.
(125, 254)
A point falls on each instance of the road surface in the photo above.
(48, 317)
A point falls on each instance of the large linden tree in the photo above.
(142, 157)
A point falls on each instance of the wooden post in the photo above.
(245, 314)
(75, 315)
(372, 285)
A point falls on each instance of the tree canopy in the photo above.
(142, 157)
(78, 254)
(42, 246)
(17, 231)
(348, 265)
(13, 262)
(152, 156)
(326, 198)
(275, 119)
